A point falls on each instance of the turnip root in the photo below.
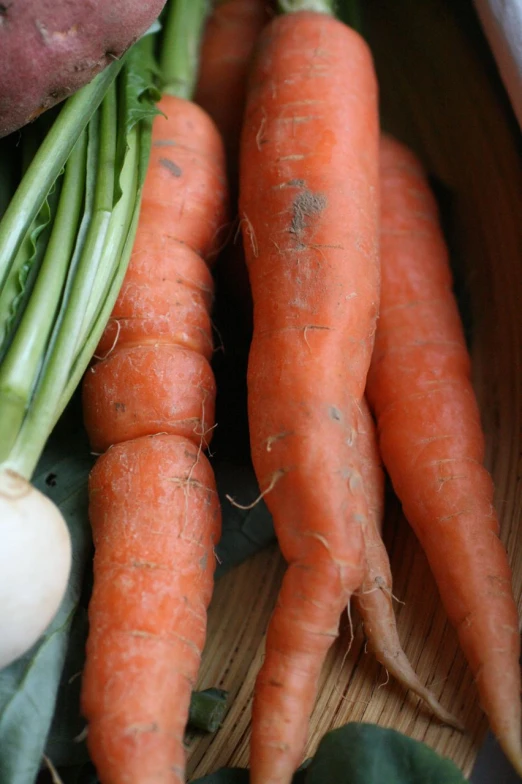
(50, 48)
(35, 560)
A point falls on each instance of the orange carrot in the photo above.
(153, 504)
(309, 212)
(374, 598)
(432, 443)
(226, 52)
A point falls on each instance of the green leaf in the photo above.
(139, 81)
(29, 686)
(138, 95)
(368, 754)
(64, 746)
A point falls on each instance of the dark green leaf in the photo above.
(367, 754)
(65, 746)
(139, 82)
(138, 95)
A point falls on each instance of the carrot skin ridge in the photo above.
(309, 215)
(431, 439)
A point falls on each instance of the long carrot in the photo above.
(309, 212)
(148, 405)
(228, 44)
(432, 443)
(230, 35)
(374, 599)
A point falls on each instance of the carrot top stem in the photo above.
(180, 46)
(319, 6)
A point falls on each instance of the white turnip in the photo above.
(35, 560)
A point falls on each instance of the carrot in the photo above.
(309, 212)
(155, 519)
(431, 439)
(226, 52)
(374, 598)
(153, 506)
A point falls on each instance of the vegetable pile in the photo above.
(264, 173)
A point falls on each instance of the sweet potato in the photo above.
(50, 48)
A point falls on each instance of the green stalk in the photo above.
(120, 240)
(319, 6)
(104, 190)
(180, 46)
(48, 162)
(25, 449)
(72, 349)
(21, 365)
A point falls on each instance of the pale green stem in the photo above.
(48, 404)
(21, 365)
(180, 46)
(293, 6)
